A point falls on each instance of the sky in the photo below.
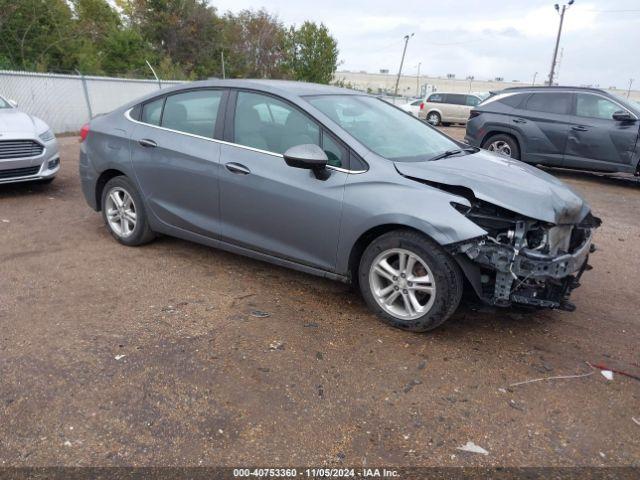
(513, 39)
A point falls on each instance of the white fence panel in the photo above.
(60, 100)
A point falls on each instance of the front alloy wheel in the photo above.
(402, 283)
(409, 281)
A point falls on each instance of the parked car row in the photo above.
(28, 147)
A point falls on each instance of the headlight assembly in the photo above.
(47, 136)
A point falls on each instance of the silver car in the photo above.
(28, 148)
(338, 184)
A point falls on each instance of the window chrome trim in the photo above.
(127, 115)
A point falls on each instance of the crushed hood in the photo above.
(504, 182)
(15, 121)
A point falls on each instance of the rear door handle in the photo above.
(237, 168)
(519, 120)
(145, 142)
(579, 128)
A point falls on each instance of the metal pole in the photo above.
(555, 50)
(86, 93)
(629, 89)
(154, 74)
(533, 82)
(404, 51)
(418, 80)
(224, 75)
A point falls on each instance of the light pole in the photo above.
(629, 89)
(555, 50)
(418, 80)
(533, 82)
(404, 51)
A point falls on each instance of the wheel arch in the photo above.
(365, 239)
(102, 181)
(503, 131)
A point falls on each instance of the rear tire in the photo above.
(433, 118)
(418, 297)
(502, 145)
(124, 214)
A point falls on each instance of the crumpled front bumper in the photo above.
(528, 276)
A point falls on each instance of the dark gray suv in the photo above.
(568, 127)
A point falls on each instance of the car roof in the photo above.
(555, 88)
(281, 87)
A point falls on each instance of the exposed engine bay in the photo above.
(522, 260)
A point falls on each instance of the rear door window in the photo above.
(152, 111)
(558, 103)
(192, 112)
(456, 99)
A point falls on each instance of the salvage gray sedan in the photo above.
(339, 184)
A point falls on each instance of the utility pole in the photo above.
(224, 75)
(629, 89)
(404, 51)
(555, 50)
(418, 80)
(533, 82)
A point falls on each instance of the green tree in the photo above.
(35, 34)
(313, 53)
(255, 45)
(187, 32)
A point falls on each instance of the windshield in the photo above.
(383, 128)
(4, 103)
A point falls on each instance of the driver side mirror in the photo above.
(308, 156)
(623, 116)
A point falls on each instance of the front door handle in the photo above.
(579, 128)
(237, 168)
(519, 120)
(145, 142)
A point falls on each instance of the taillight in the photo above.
(422, 106)
(84, 131)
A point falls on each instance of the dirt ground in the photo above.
(152, 356)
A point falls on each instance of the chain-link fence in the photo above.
(66, 102)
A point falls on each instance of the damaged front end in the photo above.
(522, 260)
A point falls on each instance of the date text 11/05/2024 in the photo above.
(315, 473)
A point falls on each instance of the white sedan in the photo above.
(28, 147)
(413, 107)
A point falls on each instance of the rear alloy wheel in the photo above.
(124, 214)
(433, 118)
(503, 145)
(409, 281)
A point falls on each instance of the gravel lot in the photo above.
(151, 356)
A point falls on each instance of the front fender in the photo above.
(404, 203)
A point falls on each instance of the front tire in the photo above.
(123, 212)
(409, 281)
